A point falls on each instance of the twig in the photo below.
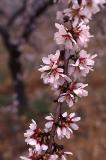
(56, 115)
(59, 105)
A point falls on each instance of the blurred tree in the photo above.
(19, 16)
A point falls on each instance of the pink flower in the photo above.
(32, 136)
(81, 34)
(74, 37)
(49, 124)
(76, 14)
(68, 124)
(65, 125)
(30, 132)
(63, 37)
(51, 72)
(68, 97)
(82, 66)
(51, 62)
(79, 90)
(74, 91)
(94, 5)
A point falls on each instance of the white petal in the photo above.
(61, 99)
(25, 158)
(59, 132)
(64, 131)
(64, 114)
(31, 141)
(72, 115)
(70, 130)
(46, 60)
(57, 55)
(49, 118)
(76, 119)
(44, 147)
(70, 102)
(38, 147)
(29, 133)
(68, 134)
(44, 68)
(74, 126)
(69, 153)
(49, 125)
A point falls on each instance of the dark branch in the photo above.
(38, 10)
(53, 131)
(18, 13)
(15, 68)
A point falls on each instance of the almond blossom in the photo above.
(80, 11)
(33, 138)
(63, 37)
(76, 36)
(58, 154)
(93, 6)
(65, 125)
(63, 72)
(82, 66)
(51, 72)
(76, 14)
(72, 93)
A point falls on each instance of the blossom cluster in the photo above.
(39, 141)
(64, 72)
(65, 125)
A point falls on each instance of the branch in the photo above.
(59, 105)
(38, 10)
(17, 13)
(15, 68)
(56, 115)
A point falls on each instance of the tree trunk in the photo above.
(15, 69)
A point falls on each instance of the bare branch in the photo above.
(38, 10)
(18, 13)
(15, 68)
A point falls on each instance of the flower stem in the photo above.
(52, 133)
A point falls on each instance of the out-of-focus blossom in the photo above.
(74, 15)
(93, 6)
(63, 1)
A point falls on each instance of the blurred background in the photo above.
(26, 34)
